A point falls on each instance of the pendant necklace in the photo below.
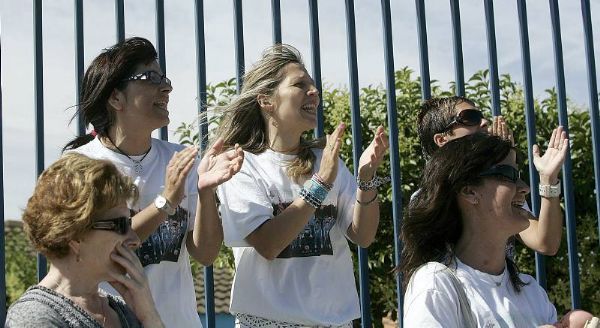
(137, 164)
(498, 282)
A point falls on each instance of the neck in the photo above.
(483, 251)
(131, 143)
(283, 142)
(71, 282)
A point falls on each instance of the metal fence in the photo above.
(315, 56)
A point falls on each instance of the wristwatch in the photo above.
(163, 205)
(550, 191)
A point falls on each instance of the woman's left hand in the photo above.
(548, 165)
(373, 155)
(218, 166)
(133, 287)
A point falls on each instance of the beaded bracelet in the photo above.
(373, 183)
(314, 192)
(322, 182)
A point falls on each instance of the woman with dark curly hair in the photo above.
(78, 218)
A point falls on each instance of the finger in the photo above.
(217, 147)
(337, 133)
(536, 151)
(552, 139)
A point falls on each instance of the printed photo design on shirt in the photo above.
(164, 244)
(314, 240)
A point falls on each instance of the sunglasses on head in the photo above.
(504, 171)
(151, 76)
(467, 117)
(120, 225)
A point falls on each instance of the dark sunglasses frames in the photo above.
(151, 76)
(505, 171)
(120, 225)
(467, 117)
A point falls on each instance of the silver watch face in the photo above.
(160, 202)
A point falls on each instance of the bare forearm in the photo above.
(207, 235)
(145, 222)
(273, 236)
(365, 221)
(550, 224)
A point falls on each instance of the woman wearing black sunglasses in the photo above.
(125, 96)
(78, 218)
(454, 263)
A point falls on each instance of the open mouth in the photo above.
(518, 204)
(161, 104)
(310, 108)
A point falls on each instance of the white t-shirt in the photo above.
(312, 281)
(164, 254)
(431, 300)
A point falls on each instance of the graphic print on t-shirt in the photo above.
(314, 240)
(164, 244)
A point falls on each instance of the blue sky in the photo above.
(16, 17)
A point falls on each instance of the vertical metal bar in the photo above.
(316, 61)
(492, 57)
(276, 11)
(209, 290)
(238, 34)
(392, 116)
(423, 50)
(459, 71)
(2, 244)
(79, 59)
(540, 260)
(567, 166)
(39, 108)
(120, 19)
(160, 46)
(363, 269)
(586, 13)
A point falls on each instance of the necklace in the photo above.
(137, 164)
(497, 280)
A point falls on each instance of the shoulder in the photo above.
(90, 148)
(35, 308)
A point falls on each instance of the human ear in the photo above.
(469, 194)
(440, 139)
(75, 246)
(116, 100)
(265, 102)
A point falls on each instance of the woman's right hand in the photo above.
(329, 160)
(133, 287)
(178, 169)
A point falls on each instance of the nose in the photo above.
(166, 87)
(132, 241)
(313, 91)
(484, 124)
(522, 187)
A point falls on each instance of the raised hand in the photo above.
(178, 169)
(549, 165)
(218, 166)
(329, 161)
(500, 128)
(133, 286)
(373, 155)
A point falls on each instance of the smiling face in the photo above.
(143, 103)
(294, 104)
(500, 201)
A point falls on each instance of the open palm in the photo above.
(549, 164)
(218, 166)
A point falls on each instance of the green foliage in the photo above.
(373, 109)
(20, 262)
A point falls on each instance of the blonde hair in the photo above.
(242, 121)
(68, 196)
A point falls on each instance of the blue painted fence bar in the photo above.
(39, 108)
(392, 117)
(238, 34)
(593, 91)
(79, 58)
(423, 50)
(276, 12)
(567, 166)
(540, 261)
(492, 56)
(315, 48)
(2, 244)
(160, 47)
(459, 71)
(120, 19)
(363, 269)
(209, 284)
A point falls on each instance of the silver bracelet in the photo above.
(550, 191)
(373, 183)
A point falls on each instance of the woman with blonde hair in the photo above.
(289, 210)
(78, 218)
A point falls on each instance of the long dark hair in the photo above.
(243, 122)
(433, 223)
(103, 76)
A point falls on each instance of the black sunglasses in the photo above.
(467, 117)
(120, 225)
(505, 171)
(151, 76)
